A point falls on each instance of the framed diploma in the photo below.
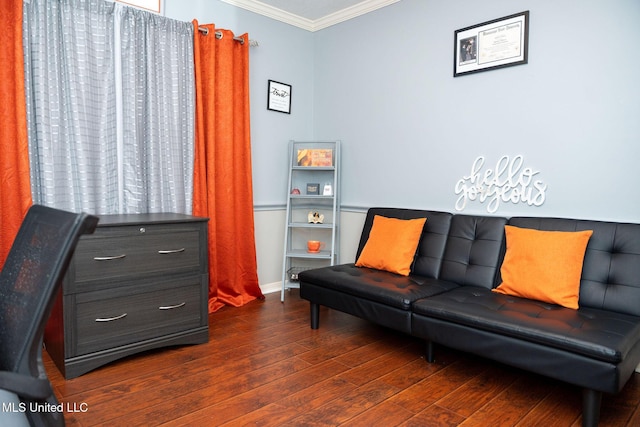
(500, 43)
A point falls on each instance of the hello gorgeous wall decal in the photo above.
(509, 181)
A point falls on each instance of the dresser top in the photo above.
(146, 218)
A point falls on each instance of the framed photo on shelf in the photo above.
(317, 157)
(313, 189)
(279, 97)
(502, 42)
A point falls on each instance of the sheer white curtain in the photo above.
(111, 107)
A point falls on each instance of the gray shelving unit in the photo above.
(313, 187)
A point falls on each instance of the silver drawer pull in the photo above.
(111, 319)
(108, 258)
(172, 251)
(171, 307)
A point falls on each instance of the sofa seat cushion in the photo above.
(375, 285)
(599, 334)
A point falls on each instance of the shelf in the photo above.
(313, 168)
(325, 155)
(310, 225)
(309, 196)
(302, 253)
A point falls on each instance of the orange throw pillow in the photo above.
(392, 244)
(544, 265)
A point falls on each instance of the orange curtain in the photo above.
(15, 187)
(222, 176)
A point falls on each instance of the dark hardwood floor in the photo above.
(264, 366)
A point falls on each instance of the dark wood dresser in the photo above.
(139, 282)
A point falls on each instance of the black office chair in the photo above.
(29, 281)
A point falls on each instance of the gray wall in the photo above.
(410, 130)
(286, 54)
(382, 83)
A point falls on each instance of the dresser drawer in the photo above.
(129, 251)
(105, 322)
(139, 282)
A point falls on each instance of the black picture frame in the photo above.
(499, 43)
(279, 97)
(313, 189)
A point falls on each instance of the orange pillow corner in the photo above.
(544, 265)
(392, 244)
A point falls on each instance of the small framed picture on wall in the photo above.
(279, 97)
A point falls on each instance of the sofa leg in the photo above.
(591, 401)
(430, 352)
(315, 315)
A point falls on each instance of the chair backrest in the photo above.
(30, 279)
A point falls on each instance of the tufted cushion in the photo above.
(474, 247)
(375, 285)
(599, 334)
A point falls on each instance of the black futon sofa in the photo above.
(447, 299)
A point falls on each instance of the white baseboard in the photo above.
(269, 288)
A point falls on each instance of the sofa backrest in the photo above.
(428, 260)
(475, 248)
(611, 270)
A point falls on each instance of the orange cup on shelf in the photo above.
(314, 245)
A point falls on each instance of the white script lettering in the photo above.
(509, 181)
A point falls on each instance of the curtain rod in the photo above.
(205, 31)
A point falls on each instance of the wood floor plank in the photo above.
(385, 414)
(264, 365)
(477, 392)
(241, 403)
(511, 404)
(434, 416)
(436, 386)
(380, 366)
(272, 414)
(347, 405)
(561, 407)
(318, 394)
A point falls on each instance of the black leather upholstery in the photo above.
(432, 243)
(462, 249)
(611, 269)
(448, 300)
(475, 245)
(600, 334)
(382, 297)
(375, 285)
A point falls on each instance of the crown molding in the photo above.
(350, 13)
(308, 24)
(272, 12)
